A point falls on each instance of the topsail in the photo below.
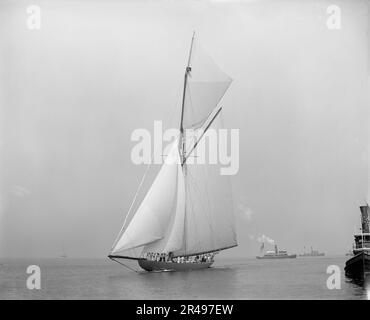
(206, 84)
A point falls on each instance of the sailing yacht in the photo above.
(186, 217)
(64, 254)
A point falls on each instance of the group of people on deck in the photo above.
(168, 257)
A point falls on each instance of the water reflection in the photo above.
(359, 287)
(215, 282)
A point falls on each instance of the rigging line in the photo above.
(214, 250)
(208, 125)
(208, 170)
(132, 203)
(228, 179)
(186, 215)
(126, 266)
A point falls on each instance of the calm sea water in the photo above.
(301, 278)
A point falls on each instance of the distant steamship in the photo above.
(276, 254)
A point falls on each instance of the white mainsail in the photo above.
(188, 209)
(210, 224)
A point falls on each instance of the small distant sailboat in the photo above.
(63, 255)
(359, 265)
(186, 216)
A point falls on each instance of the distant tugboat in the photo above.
(359, 265)
(277, 254)
(313, 253)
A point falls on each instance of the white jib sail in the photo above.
(174, 238)
(150, 222)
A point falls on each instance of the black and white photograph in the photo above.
(185, 150)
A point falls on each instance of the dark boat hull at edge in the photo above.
(359, 265)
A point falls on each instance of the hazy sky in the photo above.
(72, 92)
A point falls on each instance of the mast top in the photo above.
(191, 49)
(187, 70)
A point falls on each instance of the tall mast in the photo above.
(182, 146)
(187, 70)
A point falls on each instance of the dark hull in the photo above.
(149, 265)
(358, 266)
(312, 255)
(289, 256)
